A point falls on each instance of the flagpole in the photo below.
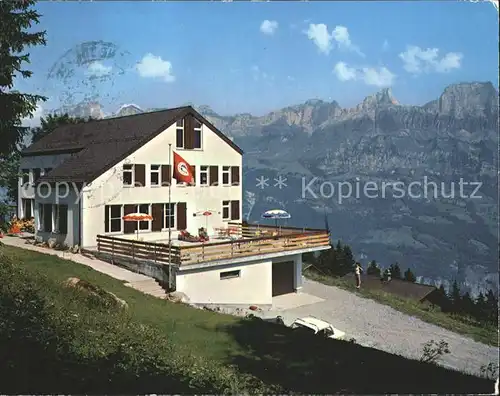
(169, 217)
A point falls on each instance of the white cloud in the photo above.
(268, 27)
(318, 33)
(325, 40)
(97, 69)
(344, 72)
(341, 36)
(152, 66)
(379, 77)
(385, 46)
(417, 60)
(34, 120)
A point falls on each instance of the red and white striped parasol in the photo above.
(207, 214)
(137, 217)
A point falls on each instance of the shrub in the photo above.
(433, 351)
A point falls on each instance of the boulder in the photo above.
(178, 297)
(51, 243)
(95, 291)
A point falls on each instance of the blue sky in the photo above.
(257, 57)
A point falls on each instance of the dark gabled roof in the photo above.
(398, 287)
(96, 146)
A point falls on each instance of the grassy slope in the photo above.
(486, 335)
(269, 352)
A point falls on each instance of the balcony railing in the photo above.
(248, 240)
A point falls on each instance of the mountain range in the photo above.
(380, 143)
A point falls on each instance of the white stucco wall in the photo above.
(108, 189)
(204, 286)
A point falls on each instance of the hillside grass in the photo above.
(478, 332)
(156, 341)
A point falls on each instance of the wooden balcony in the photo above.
(246, 241)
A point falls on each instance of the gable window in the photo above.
(60, 224)
(25, 176)
(113, 218)
(45, 217)
(155, 175)
(226, 175)
(196, 134)
(225, 210)
(179, 133)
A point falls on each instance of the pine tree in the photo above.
(455, 297)
(480, 307)
(443, 297)
(467, 304)
(409, 276)
(373, 269)
(395, 271)
(16, 19)
(491, 307)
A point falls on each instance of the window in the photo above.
(155, 176)
(134, 175)
(46, 170)
(231, 210)
(27, 208)
(225, 175)
(26, 176)
(168, 216)
(60, 219)
(230, 274)
(197, 134)
(204, 175)
(143, 208)
(128, 175)
(180, 134)
(36, 174)
(45, 217)
(113, 216)
(225, 210)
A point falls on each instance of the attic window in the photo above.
(180, 134)
(197, 134)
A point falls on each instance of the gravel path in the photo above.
(379, 326)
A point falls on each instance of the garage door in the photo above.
(283, 278)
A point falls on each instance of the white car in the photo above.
(318, 326)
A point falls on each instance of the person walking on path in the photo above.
(357, 272)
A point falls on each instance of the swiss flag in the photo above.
(182, 170)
